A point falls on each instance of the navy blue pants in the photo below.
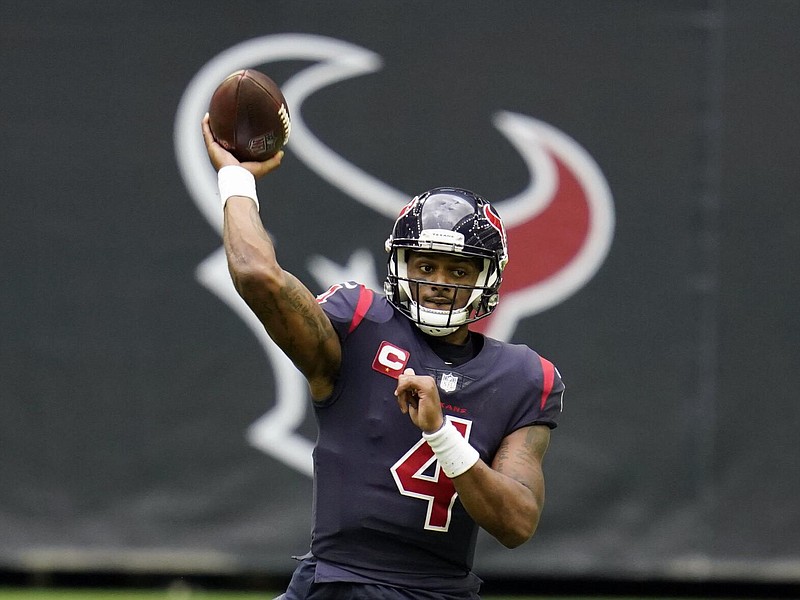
(302, 587)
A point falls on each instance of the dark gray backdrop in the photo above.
(127, 388)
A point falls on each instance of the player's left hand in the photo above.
(418, 397)
(221, 158)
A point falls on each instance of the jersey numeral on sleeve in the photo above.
(413, 477)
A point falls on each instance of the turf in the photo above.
(193, 594)
(40, 594)
(80, 594)
(77, 594)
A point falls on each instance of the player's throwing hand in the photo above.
(221, 158)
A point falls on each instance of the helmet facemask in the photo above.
(439, 322)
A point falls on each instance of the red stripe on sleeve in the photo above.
(364, 302)
(548, 370)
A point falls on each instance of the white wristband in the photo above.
(453, 451)
(234, 180)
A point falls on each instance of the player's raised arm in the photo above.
(287, 309)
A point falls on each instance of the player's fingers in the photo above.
(413, 412)
(206, 128)
(402, 402)
(216, 153)
(404, 381)
(259, 169)
(407, 392)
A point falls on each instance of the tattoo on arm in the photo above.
(287, 309)
(537, 443)
(519, 461)
(298, 299)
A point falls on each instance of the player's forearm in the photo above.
(255, 273)
(250, 253)
(499, 504)
(506, 498)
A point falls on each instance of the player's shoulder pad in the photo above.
(548, 379)
(527, 362)
(341, 293)
(348, 304)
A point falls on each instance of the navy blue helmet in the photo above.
(454, 221)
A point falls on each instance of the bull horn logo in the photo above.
(559, 227)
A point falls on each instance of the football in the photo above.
(248, 116)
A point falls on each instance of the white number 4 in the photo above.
(436, 489)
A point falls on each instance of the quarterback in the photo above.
(427, 430)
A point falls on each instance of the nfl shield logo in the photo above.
(448, 382)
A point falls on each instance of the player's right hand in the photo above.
(220, 157)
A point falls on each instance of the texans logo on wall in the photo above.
(564, 216)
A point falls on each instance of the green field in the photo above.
(191, 594)
(48, 594)
(79, 594)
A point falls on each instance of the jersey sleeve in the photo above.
(346, 305)
(551, 398)
(543, 400)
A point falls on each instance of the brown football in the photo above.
(248, 116)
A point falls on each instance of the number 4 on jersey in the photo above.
(410, 476)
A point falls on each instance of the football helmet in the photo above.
(447, 220)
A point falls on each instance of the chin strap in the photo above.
(426, 319)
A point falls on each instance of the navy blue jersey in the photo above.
(383, 509)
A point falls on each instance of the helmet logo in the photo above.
(408, 207)
(495, 221)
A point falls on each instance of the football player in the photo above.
(427, 430)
